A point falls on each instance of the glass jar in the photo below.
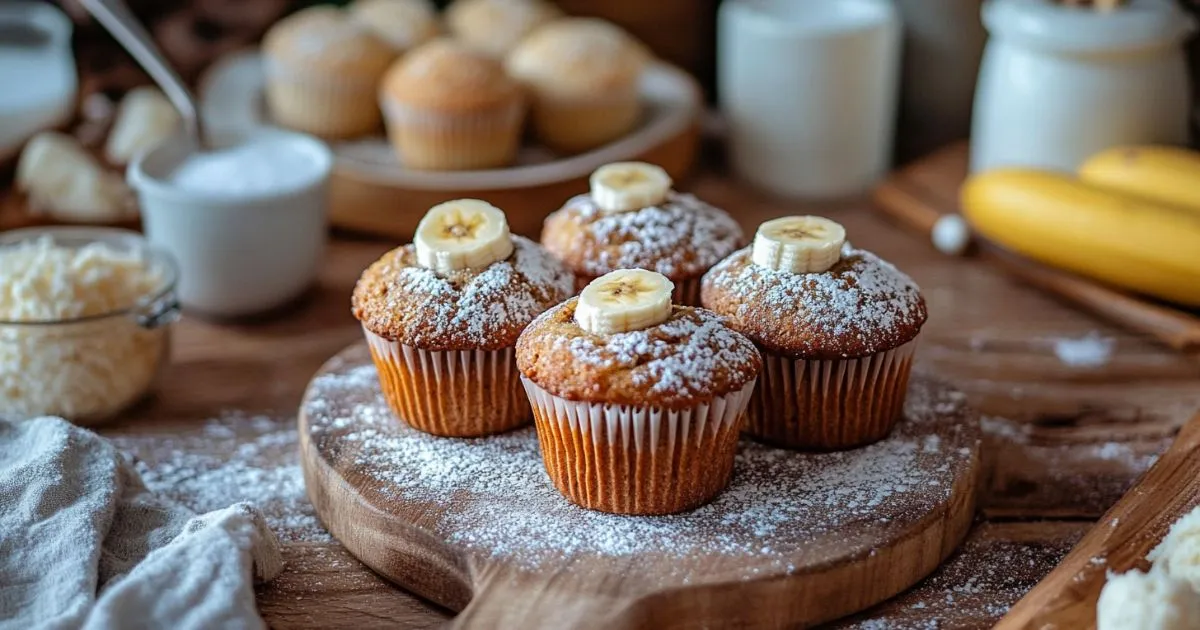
(92, 368)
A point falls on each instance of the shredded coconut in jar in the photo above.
(79, 369)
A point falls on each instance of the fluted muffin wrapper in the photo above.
(324, 104)
(831, 404)
(426, 139)
(453, 393)
(686, 293)
(638, 459)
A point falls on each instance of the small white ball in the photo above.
(951, 235)
(1147, 601)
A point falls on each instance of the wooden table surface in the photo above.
(1063, 442)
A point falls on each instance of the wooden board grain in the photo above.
(920, 193)
(1066, 598)
(472, 551)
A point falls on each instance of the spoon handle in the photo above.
(114, 15)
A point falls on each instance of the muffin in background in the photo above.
(583, 75)
(448, 107)
(322, 71)
(837, 327)
(632, 219)
(402, 24)
(638, 403)
(495, 27)
(441, 317)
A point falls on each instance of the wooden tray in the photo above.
(372, 192)
(474, 525)
(1066, 598)
(918, 194)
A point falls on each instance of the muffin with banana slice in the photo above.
(638, 403)
(584, 76)
(322, 71)
(837, 327)
(632, 219)
(443, 314)
(448, 107)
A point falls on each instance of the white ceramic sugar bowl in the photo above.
(1059, 83)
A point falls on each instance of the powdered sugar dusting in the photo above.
(682, 237)
(235, 457)
(680, 357)
(863, 298)
(483, 309)
(492, 498)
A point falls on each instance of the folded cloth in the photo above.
(83, 544)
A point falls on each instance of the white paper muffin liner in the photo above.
(638, 459)
(453, 393)
(429, 139)
(830, 405)
(319, 103)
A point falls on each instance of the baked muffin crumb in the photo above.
(687, 360)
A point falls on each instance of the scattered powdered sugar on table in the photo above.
(492, 497)
(974, 589)
(1091, 350)
(236, 457)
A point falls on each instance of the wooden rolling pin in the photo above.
(1066, 598)
(919, 210)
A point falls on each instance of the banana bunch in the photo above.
(1131, 218)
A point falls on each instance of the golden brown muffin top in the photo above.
(494, 27)
(471, 309)
(447, 76)
(402, 24)
(679, 238)
(578, 57)
(326, 39)
(860, 306)
(687, 360)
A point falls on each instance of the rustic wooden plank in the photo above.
(1119, 542)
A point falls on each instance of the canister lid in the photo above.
(1052, 25)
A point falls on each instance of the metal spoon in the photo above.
(115, 16)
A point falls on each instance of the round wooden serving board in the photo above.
(475, 525)
(372, 192)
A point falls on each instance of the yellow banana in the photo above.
(1163, 174)
(1114, 237)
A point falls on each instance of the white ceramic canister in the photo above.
(1060, 83)
(809, 88)
(37, 71)
(247, 223)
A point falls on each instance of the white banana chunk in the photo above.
(66, 183)
(462, 234)
(625, 186)
(144, 119)
(804, 244)
(623, 301)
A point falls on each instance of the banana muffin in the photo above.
(632, 219)
(837, 328)
(402, 24)
(494, 27)
(584, 76)
(441, 317)
(638, 403)
(322, 71)
(450, 108)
